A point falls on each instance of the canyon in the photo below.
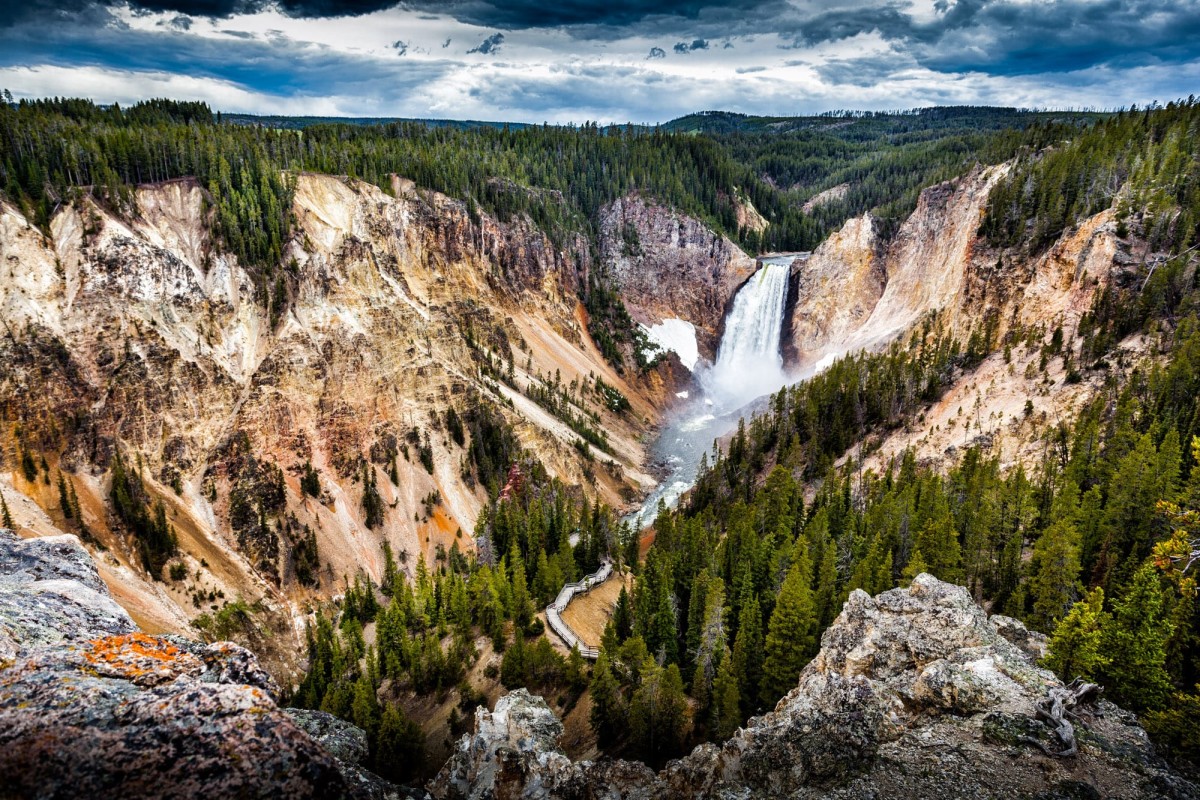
(140, 334)
(133, 338)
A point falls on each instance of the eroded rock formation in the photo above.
(137, 332)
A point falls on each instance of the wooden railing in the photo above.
(565, 595)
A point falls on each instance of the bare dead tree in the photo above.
(1058, 708)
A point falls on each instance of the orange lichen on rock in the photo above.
(140, 658)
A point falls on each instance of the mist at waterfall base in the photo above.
(749, 365)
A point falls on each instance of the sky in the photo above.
(601, 60)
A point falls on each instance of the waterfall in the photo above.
(749, 363)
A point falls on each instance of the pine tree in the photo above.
(916, 565)
(1184, 642)
(364, 709)
(748, 651)
(827, 586)
(938, 541)
(1054, 583)
(5, 515)
(310, 481)
(391, 574)
(1135, 642)
(622, 617)
(791, 634)
(83, 530)
(372, 503)
(522, 604)
(398, 750)
(1076, 650)
(711, 643)
(658, 711)
(608, 715)
(726, 701)
(64, 497)
(513, 667)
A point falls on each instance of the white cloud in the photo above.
(127, 87)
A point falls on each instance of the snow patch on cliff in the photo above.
(679, 337)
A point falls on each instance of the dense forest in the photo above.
(881, 160)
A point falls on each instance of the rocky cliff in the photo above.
(89, 705)
(136, 334)
(915, 693)
(671, 266)
(857, 292)
(833, 292)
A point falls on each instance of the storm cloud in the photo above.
(613, 61)
(489, 45)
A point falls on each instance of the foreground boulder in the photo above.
(91, 706)
(915, 693)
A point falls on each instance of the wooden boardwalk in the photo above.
(565, 595)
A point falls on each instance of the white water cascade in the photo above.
(749, 363)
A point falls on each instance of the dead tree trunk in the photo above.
(1057, 709)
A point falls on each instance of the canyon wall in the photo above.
(136, 334)
(671, 266)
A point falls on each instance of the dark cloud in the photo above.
(691, 47)
(1008, 37)
(489, 45)
(1063, 43)
(504, 14)
(42, 10)
(272, 66)
(519, 14)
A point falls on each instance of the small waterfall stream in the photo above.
(749, 364)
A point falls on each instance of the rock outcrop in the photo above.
(915, 693)
(51, 593)
(671, 266)
(89, 706)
